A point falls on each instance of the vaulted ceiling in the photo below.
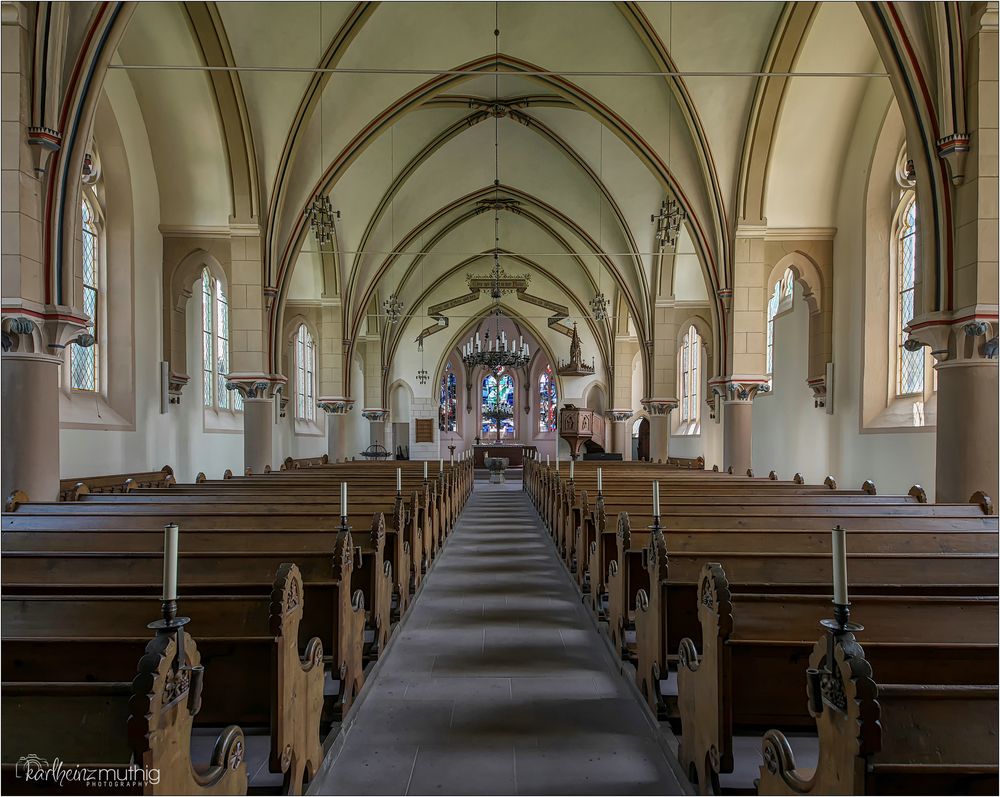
(405, 113)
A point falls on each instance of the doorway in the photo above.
(640, 440)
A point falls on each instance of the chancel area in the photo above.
(459, 398)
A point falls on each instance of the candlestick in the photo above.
(839, 566)
(343, 499)
(399, 480)
(656, 499)
(600, 482)
(170, 538)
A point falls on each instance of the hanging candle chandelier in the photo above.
(321, 217)
(668, 221)
(393, 309)
(599, 307)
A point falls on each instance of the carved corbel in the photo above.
(953, 150)
(335, 405)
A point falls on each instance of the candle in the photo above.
(343, 499)
(425, 470)
(170, 562)
(839, 566)
(572, 466)
(656, 499)
(600, 482)
(548, 461)
(399, 480)
(441, 465)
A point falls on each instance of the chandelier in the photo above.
(393, 309)
(668, 221)
(321, 215)
(498, 351)
(599, 307)
(423, 376)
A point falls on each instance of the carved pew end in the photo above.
(983, 501)
(830, 482)
(201, 478)
(15, 499)
(797, 479)
(772, 476)
(868, 488)
(919, 493)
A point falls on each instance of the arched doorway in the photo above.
(640, 440)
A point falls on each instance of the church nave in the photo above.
(498, 682)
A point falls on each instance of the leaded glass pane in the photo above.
(84, 361)
(547, 401)
(83, 368)
(772, 311)
(207, 342)
(909, 364)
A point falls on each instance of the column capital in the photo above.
(659, 406)
(619, 416)
(739, 388)
(251, 385)
(335, 405)
(32, 327)
(375, 414)
(967, 335)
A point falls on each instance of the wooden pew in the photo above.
(72, 489)
(117, 724)
(879, 737)
(754, 646)
(248, 643)
(326, 559)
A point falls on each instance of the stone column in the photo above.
(619, 431)
(336, 409)
(258, 418)
(659, 426)
(258, 391)
(737, 395)
(967, 412)
(30, 461)
(376, 417)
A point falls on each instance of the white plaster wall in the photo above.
(177, 438)
(790, 434)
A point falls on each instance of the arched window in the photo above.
(781, 299)
(448, 407)
(305, 375)
(909, 364)
(689, 388)
(85, 362)
(215, 345)
(498, 403)
(548, 401)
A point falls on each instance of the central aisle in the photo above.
(498, 682)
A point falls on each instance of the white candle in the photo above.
(600, 482)
(839, 566)
(399, 480)
(343, 499)
(572, 468)
(656, 499)
(548, 461)
(170, 532)
(441, 465)
(425, 470)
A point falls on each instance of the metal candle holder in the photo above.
(170, 623)
(839, 629)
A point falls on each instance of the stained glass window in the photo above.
(909, 364)
(448, 407)
(215, 345)
(498, 391)
(548, 401)
(305, 375)
(690, 360)
(84, 360)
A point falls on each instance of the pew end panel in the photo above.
(704, 694)
(163, 707)
(297, 711)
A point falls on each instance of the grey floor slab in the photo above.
(498, 683)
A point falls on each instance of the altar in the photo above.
(513, 452)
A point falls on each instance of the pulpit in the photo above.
(579, 426)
